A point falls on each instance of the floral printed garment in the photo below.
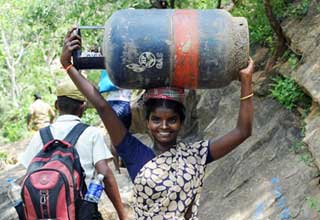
(167, 185)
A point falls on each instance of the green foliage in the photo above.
(314, 203)
(293, 61)
(201, 4)
(35, 30)
(303, 102)
(3, 156)
(138, 4)
(94, 76)
(299, 9)
(286, 91)
(259, 27)
(14, 127)
(13, 131)
(91, 117)
(298, 146)
(307, 158)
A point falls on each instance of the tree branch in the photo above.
(21, 52)
(282, 40)
(7, 51)
(11, 63)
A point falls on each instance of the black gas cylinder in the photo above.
(182, 48)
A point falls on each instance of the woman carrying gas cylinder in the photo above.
(167, 176)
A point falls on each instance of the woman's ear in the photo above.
(147, 124)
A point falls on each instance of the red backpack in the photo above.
(54, 184)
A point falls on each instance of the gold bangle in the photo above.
(246, 97)
(68, 67)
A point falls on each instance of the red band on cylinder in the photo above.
(186, 40)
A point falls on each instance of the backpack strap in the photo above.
(72, 138)
(75, 133)
(46, 135)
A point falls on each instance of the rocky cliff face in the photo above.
(266, 177)
(305, 36)
(272, 175)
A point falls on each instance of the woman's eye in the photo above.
(172, 120)
(155, 119)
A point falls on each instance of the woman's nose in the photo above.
(164, 124)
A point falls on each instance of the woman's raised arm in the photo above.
(242, 131)
(113, 124)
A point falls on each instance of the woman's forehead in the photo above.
(163, 110)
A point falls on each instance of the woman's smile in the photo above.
(164, 133)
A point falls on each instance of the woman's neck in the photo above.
(159, 148)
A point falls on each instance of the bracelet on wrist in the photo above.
(246, 97)
(68, 67)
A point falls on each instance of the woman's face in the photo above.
(164, 125)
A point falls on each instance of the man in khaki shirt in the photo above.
(40, 114)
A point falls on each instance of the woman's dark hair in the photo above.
(69, 105)
(151, 104)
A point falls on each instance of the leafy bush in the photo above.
(286, 91)
(14, 127)
(293, 61)
(259, 28)
(314, 203)
(3, 156)
(90, 117)
(38, 27)
(298, 146)
(298, 10)
(13, 131)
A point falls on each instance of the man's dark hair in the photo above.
(36, 96)
(152, 104)
(161, 4)
(69, 105)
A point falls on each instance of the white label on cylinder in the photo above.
(147, 60)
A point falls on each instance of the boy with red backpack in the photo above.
(54, 163)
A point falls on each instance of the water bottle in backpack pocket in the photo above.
(95, 189)
(89, 207)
